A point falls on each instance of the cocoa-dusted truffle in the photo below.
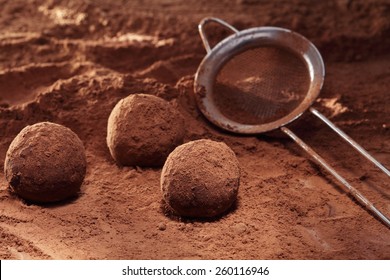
(201, 179)
(143, 129)
(45, 163)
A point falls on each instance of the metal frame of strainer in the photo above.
(241, 41)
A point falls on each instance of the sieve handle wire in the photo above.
(354, 192)
(203, 33)
(348, 139)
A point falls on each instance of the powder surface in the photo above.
(201, 179)
(287, 207)
(143, 129)
(45, 163)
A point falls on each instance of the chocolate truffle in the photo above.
(201, 179)
(45, 163)
(143, 129)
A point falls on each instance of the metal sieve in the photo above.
(260, 79)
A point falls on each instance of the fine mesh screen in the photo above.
(261, 85)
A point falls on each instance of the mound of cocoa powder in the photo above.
(45, 162)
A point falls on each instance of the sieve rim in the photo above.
(245, 40)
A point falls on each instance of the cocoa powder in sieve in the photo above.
(261, 85)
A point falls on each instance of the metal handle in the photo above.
(354, 192)
(203, 34)
(353, 143)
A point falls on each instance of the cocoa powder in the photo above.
(74, 72)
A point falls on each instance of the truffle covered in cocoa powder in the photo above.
(201, 179)
(45, 162)
(143, 129)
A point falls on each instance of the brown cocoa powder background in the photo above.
(70, 62)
